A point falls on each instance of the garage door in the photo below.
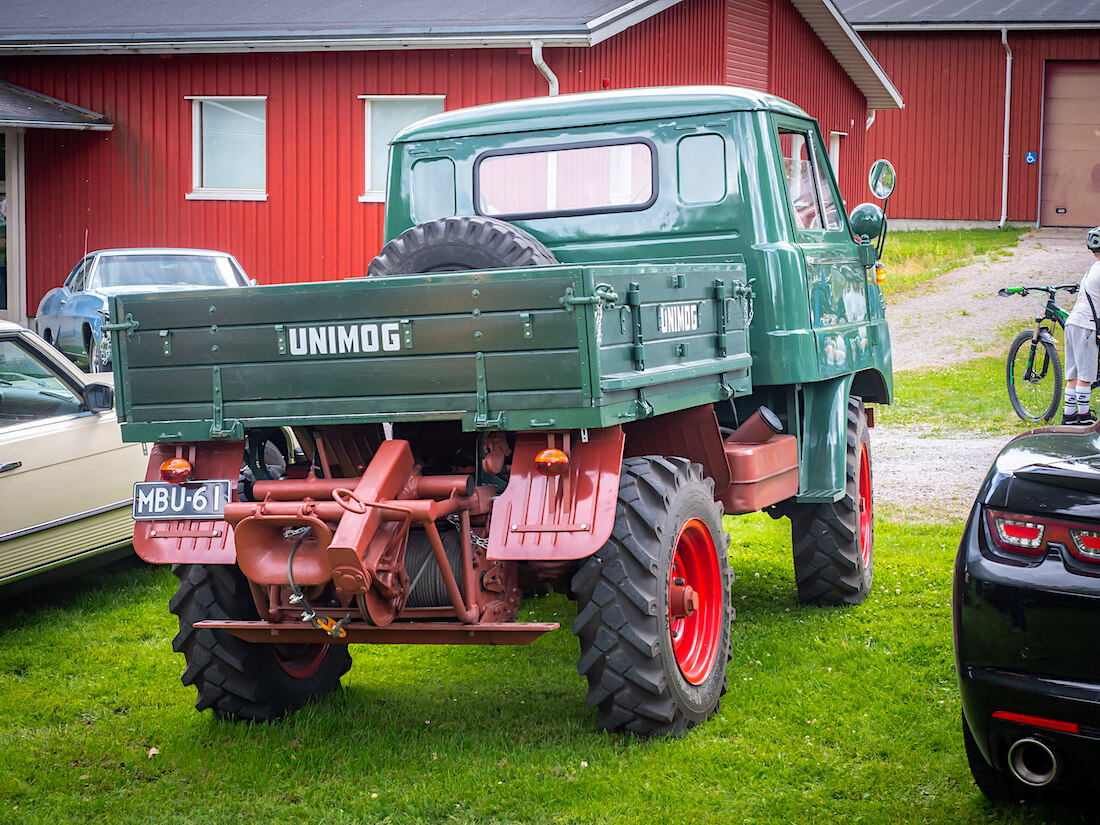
(1070, 194)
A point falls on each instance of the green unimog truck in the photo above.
(600, 323)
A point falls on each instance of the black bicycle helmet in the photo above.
(1092, 240)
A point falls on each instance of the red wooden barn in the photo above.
(262, 130)
(1002, 115)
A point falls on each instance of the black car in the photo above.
(1026, 606)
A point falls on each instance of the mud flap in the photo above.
(821, 476)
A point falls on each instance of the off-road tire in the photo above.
(834, 542)
(1035, 400)
(459, 243)
(242, 680)
(623, 594)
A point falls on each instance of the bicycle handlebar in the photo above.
(1051, 290)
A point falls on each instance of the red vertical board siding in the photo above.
(128, 187)
(748, 30)
(948, 142)
(804, 72)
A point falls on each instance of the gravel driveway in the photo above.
(954, 317)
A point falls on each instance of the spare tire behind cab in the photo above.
(457, 243)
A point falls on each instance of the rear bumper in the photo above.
(1003, 708)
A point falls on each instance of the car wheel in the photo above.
(99, 358)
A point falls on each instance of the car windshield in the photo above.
(165, 270)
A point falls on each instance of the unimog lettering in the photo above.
(615, 350)
(345, 339)
(678, 317)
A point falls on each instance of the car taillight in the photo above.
(1017, 534)
(1028, 535)
(1086, 544)
(176, 470)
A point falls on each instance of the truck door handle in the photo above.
(10, 465)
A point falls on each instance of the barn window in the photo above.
(573, 180)
(229, 148)
(385, 116)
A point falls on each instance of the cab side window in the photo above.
(813, 203)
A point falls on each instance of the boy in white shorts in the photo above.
(1081, 346)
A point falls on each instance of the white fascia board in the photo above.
(624, 17)
(53, 124)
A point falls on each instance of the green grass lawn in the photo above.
(833, 715)
(911, 258)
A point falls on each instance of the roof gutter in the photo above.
(518, 40)
(540, 64)
(1008, 112)
(938, 26)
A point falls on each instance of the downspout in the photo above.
(540, 64)
(1008, 110)
(870, 119)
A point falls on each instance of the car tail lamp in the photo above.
(1033, 535)
(176, 470)
(551, 462)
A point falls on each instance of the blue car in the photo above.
(72, 316)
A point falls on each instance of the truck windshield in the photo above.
(605, 178)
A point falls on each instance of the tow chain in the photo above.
(333, 628)
(477, 540)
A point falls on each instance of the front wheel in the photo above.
(653, 604)
(244, 680)
(1034, 376)
(99, 354)
(834, 542)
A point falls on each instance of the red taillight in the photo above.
(1037, 721)
(1086, 544)
(1018, 534)
(551, 462)
(1033, 535)
(176, 470)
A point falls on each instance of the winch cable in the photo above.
(298, 597)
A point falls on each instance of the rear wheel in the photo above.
(238, 679)
(1034, 377)
(653, 605)
(834, 542)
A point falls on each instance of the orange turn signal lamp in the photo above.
(176, 470)
(552, 462)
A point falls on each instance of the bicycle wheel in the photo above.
(1034, 376)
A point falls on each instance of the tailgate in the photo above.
(561, 347)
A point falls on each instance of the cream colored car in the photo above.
(66, 478)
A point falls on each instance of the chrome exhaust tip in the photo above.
(1033, 762)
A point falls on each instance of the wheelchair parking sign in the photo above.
(1031, 157)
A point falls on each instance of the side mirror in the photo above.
(882, 179)
(99, 397)
(867, 220)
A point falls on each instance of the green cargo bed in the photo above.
(547, 347)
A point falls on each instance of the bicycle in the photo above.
(1034, 372)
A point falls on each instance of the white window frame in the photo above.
(834, 151)
(198, 191)
(379, 195)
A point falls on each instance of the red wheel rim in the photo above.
(866, 515)
(695, 602)
(299, 661)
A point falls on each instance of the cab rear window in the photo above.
(572, 180)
